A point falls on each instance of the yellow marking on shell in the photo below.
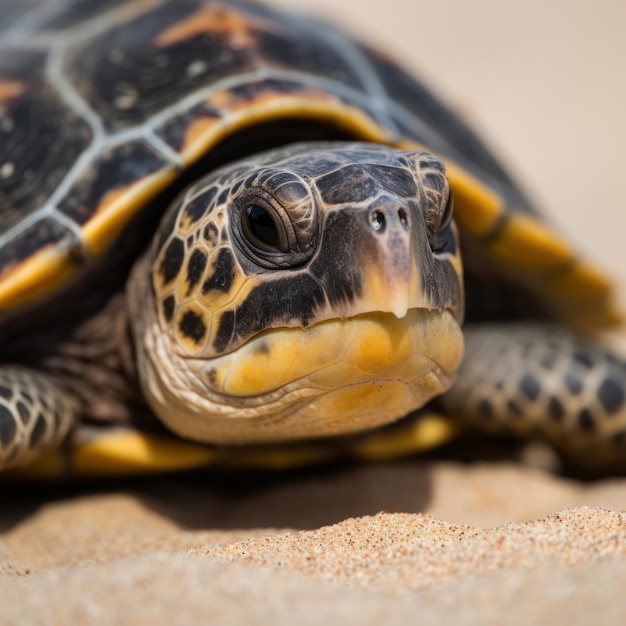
(567, 285)
(119, 206)
(10, 89)
(238, 28)
(480, 206)
(408, 437)
(137, 452)
(117, 453)
(126, 453)
(43, 273)
(314, 105)
(48, 270)
(201, 135)
(529, 246)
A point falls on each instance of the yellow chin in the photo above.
(338, 376)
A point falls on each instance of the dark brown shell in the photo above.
(104, 104)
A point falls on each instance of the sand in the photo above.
(193, 548)
(428, 542)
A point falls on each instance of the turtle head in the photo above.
(309, 291)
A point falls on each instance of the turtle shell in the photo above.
(105, 104)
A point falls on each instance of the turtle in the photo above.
(232, 235)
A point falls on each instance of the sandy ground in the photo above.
(463, 544)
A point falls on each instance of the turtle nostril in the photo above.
(404, 218)
(378, 220)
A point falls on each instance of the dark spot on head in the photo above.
(358, 182)
(223, 196)
(237, 186)
(585, 420)
(23, 411)
(573, 384)
(172, 260)
(223, 273)
(169, 304)
(225, 331)
(262, 348)
(6, 392)
(192, 326)
(211, 233)
(211, 376)
(292, 300)
(342, 241)
(530, 387)
(8, 427)
(433, 180)
(195, 268)
(555, 409)
(200, 206)
(38, 432)
(611, 395)
(348, 184)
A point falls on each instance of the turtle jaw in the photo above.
(336, 377)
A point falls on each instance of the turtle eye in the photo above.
(260, 227)
(264, 229)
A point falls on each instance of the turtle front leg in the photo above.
(35, 415)
(542, 381)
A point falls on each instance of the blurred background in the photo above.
(543, 81)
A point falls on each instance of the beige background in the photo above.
(542, 80)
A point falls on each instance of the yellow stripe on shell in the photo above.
(49, 270)
(313, 105)
(477, 207)
(117, 453)
(43, 273)
(406, 438)
(527, 245)
(118, 207)
(133, 453)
